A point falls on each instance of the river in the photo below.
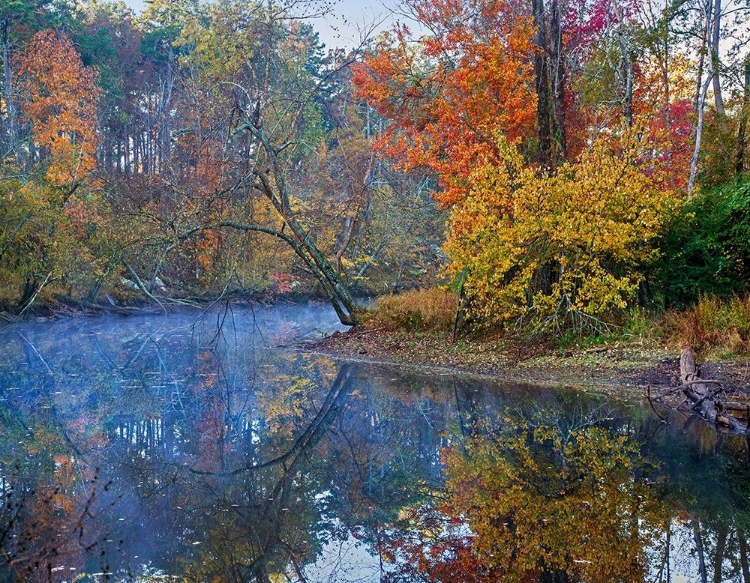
(205, 447)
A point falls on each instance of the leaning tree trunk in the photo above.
(271, 183)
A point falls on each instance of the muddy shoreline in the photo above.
(616, 369)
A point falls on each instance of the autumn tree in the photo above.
(715, 32)
(18, 21)
(60, 102)
(541, 497)
(563, 248)
(264, 96)
(48, 211)
(486, 97)
(547, 498)
(448, 96)
(233, 154)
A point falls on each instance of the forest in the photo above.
(406, 310)
(547, 166)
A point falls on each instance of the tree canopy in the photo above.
(196, 150)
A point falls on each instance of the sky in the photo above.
(343, 24)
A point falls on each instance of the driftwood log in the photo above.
(707, 397)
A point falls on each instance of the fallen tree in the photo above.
(708, 398)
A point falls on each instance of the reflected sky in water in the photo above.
(179, 447)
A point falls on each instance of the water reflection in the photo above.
(141, 448)
(547, 496)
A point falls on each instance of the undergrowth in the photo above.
(713, 325)
(636, 326)
(425, 309)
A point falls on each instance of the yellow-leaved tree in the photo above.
(563, 248)
(545, 503)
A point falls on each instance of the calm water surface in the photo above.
(179, 448)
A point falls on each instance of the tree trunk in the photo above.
(541, 75)
(271, 182)
(164, 109)
(30, 287)
(699, 132)
(10, 106)
(742, 537)
(338, 292)
(701, 66)
(715, 40)
(667, 101)
(304, 247)
(700, 552)
(704, 395)
(558, 78)
(744, 115)
(721, 544)
(626, 65)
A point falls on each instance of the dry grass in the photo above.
(425, 309)
(713, 326)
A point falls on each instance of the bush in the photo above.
(425, 309)
(712, 324)
(706, 250)
(562, 250)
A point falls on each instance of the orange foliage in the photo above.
(208, 247)
(449, 99)
(61, 98)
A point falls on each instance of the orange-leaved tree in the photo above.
(50, 216)
(448, 97)
(546, 247)
(60, 102)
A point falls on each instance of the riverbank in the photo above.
(619, 367)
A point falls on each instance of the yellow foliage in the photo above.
(427, 309)
(544, 500)
(551, 249)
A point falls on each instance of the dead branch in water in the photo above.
(705, 397)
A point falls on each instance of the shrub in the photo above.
(712, 324)
(424, 309)
(706, 250)
(564, 249)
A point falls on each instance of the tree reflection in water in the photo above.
(155, 453)
(264, 519)
(539, 498)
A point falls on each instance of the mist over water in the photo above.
(208, 448)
